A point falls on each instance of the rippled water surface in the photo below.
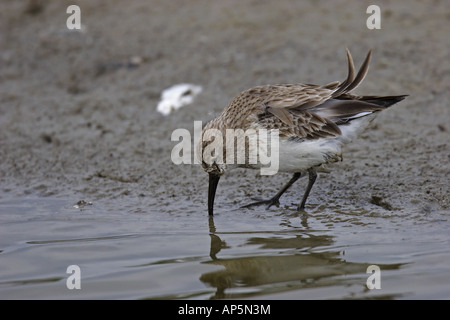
(275, 254)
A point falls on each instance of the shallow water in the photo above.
(323, 253)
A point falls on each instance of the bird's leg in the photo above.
(312, 178)
(275, 199)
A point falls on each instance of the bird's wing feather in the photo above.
(304, 125)
(284, 101)
(312, 111)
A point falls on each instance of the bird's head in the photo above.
(210, 153)
(210, 150)
(214, 167)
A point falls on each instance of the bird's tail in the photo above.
(383, 102)
(348, 107)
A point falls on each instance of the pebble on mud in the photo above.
(377, 200)
(81, 204)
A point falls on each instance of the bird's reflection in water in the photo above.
(302, 261)
(216, 243)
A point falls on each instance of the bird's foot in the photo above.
(269, 203)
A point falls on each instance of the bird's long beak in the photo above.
(213, 181)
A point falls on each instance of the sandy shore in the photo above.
(78, 112)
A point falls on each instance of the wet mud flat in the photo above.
(79, 127)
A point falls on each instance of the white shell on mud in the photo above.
(177, 96)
